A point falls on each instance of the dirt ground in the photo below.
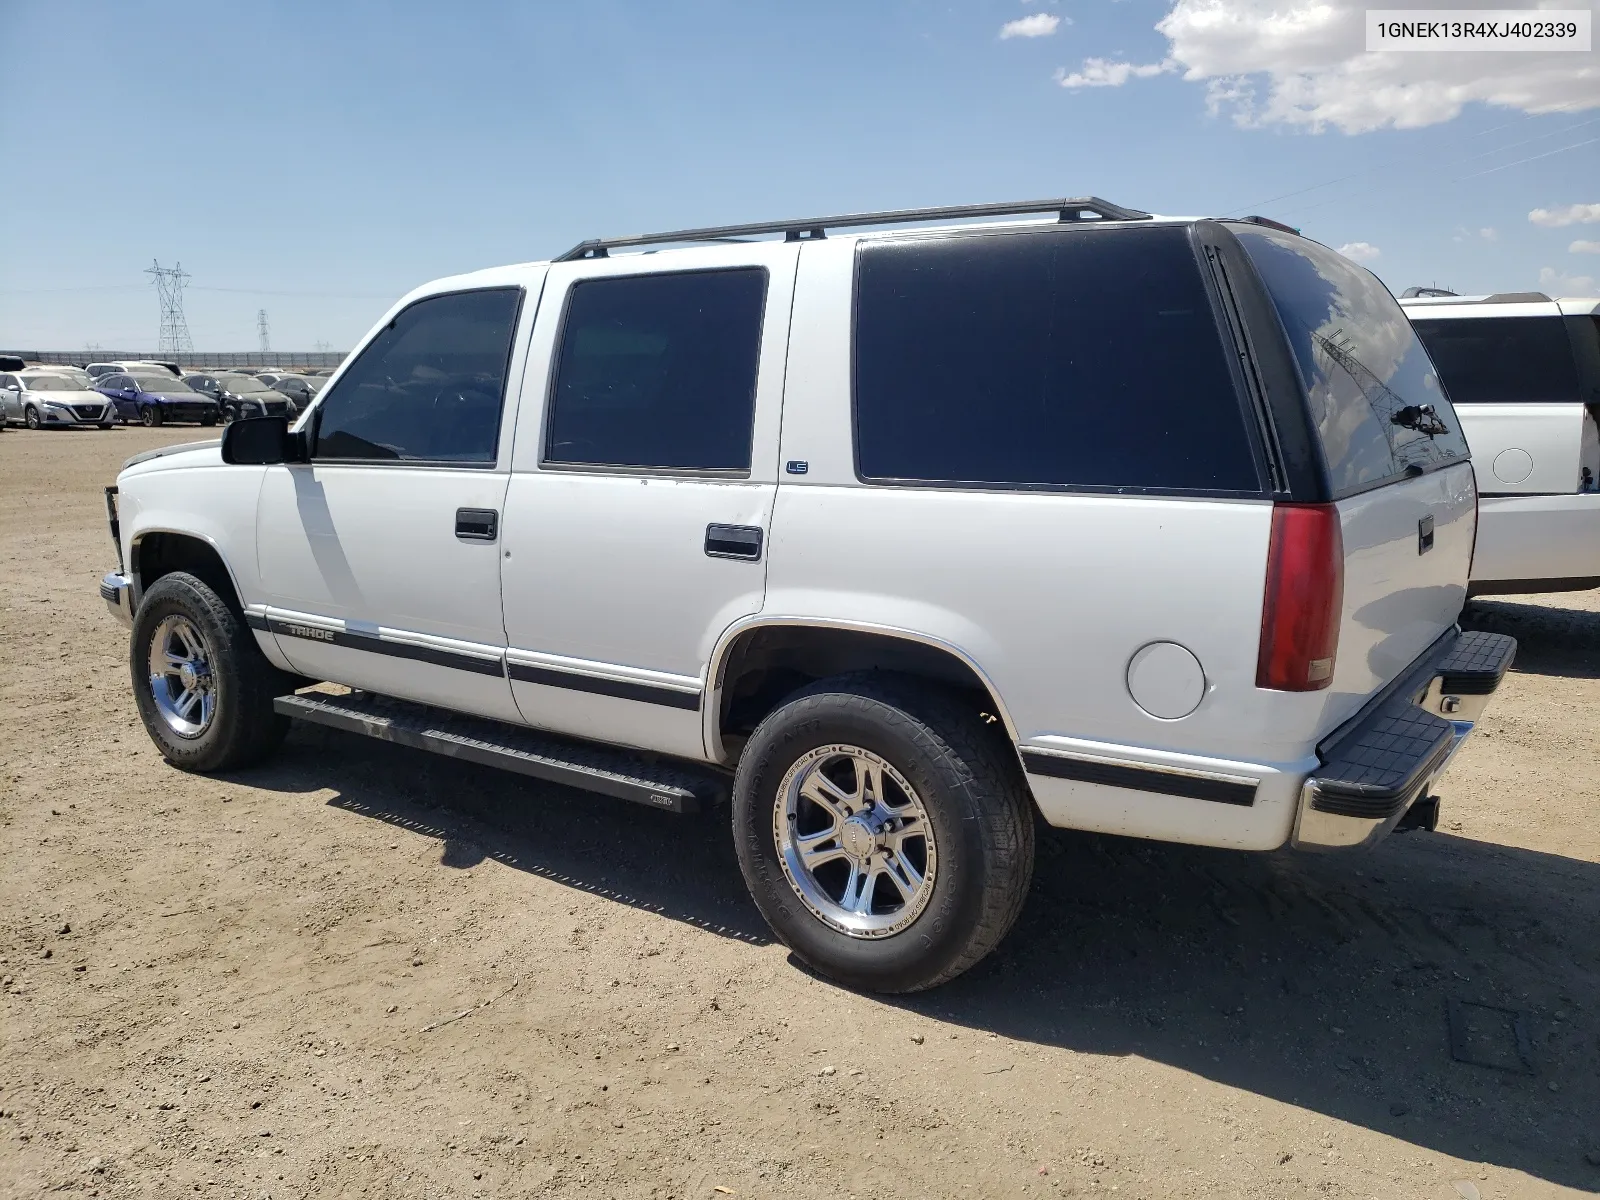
(363, 970)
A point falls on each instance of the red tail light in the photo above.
(1304, 599)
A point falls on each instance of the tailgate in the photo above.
(1401, 588)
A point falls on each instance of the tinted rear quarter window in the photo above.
(1367, 376)
(1071, 358)
(659, 371)
(429, 387)
(1502, 360)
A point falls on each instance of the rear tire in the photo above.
(211, 420)
(216, 714)
(927, 912)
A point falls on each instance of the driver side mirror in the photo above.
(264, 441)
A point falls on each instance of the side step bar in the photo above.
(659, 783)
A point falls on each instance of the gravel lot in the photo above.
(365, 970)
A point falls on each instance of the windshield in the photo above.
(161, 383)
(50, 383)
(242, 385)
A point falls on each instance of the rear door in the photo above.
(1513, 379)
(639, 509)
(1396, 460)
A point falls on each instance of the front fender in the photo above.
(214, 504)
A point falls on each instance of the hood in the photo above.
(81, 397)
(167, 458)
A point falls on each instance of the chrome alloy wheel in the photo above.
(181, 682)
(855, 841)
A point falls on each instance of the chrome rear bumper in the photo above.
(1382, 761)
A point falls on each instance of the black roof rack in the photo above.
(814, 227)
(1271, 224)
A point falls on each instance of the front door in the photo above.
(381, 557)
(639, 508)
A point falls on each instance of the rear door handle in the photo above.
(734, 541)
(477, 524)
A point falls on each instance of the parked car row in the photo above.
(150, 393)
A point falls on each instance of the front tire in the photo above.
(150, 416)
(203, 688)
(30, 417)
(883, 831)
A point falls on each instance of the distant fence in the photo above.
(252, 358)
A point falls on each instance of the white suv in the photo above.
(895, 539)
(1523, 372)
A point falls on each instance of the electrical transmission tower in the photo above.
(263, 332)
(173, 337)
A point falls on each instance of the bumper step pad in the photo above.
(1379, 766)
(676, 787)
(1477, 663)
(1382, 763)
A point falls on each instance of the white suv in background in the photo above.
(1523, 373)
(894, 540)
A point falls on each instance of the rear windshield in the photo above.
(1502, 360)
(1075, 358)
(1375, 399)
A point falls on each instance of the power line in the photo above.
(1520, 161)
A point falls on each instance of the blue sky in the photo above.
(318, 159)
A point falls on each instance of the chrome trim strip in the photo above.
(315, 629)
(622, 689)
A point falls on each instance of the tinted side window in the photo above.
(1501, 360)
(659, 371)
(1367, 375)
(429, 387)
(1087, 358)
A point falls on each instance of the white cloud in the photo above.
(1581, 247)
(1360, 251)
(1305, 63)
(1037, 25)
(1572, 214)
(1558, 283)
(1100, 72)
(1489, 234)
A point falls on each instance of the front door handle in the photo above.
(734, 541)
(477, 524)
